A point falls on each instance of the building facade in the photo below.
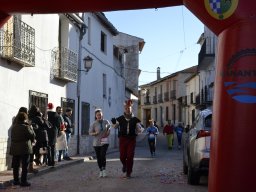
(42, 60)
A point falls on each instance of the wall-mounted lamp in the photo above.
(88, 63)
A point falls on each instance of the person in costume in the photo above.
(128, 127)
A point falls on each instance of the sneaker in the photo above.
(123, 176)
(25, 184)
(104, 174)
(101, 174)
(128, 176)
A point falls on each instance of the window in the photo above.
(155, 114)
(193, 115)
(104, 83)
(103, 42)
(38, 99)
(89, 30)
(166, 113)
(85, 118)
(174, 112)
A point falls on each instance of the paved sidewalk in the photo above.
(6, 177)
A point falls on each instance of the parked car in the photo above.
(196, 147)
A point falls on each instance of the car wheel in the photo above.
(185, 168)
(193, 176)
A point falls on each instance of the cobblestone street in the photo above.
(161, 173)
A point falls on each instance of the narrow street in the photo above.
(161, 173)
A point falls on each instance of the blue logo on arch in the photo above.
(242, 92)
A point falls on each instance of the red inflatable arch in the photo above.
(232, 165)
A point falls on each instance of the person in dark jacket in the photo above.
(53, 118)
(22, 136)
(41, 136)
(129, 126)
(33, 110)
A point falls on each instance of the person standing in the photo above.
(129, 126)
(152, 133)
(168, 131)
(22, 136)
(68, 131)
(61, 143)
(53, 118)
(100, 129)
(32, 113)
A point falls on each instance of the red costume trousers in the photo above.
(127, 150)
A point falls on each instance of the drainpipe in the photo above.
(82, 31)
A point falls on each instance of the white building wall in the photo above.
(92, 81)
(17, 80)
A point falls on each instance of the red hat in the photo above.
(50, 106)
(128, 103)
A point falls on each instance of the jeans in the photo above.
(24, 159)
(68, 136)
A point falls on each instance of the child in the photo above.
(61, 143)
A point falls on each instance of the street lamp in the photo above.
(88, 63)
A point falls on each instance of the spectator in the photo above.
(22, 136)
(53, 118)
(69, 129)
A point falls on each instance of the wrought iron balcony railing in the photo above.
(166, 96)
(147, 100)
(17, 42)
(64, 64)
(173, 94)
(160, 98)
(154, 100)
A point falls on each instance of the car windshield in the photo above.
(208, 122)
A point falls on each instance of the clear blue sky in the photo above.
(171, 36)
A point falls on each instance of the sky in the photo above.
(170, 36)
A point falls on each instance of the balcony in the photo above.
(147, 100)
(173, 94)
(166, 96)
(205, 98)
(17, 42)
(185, 100)
(160, 98)
(64, 63)
(154, 100)
(207, 53)
(192, 98)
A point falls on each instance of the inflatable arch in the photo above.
(232, 165)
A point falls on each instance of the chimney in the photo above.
(158, 73)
